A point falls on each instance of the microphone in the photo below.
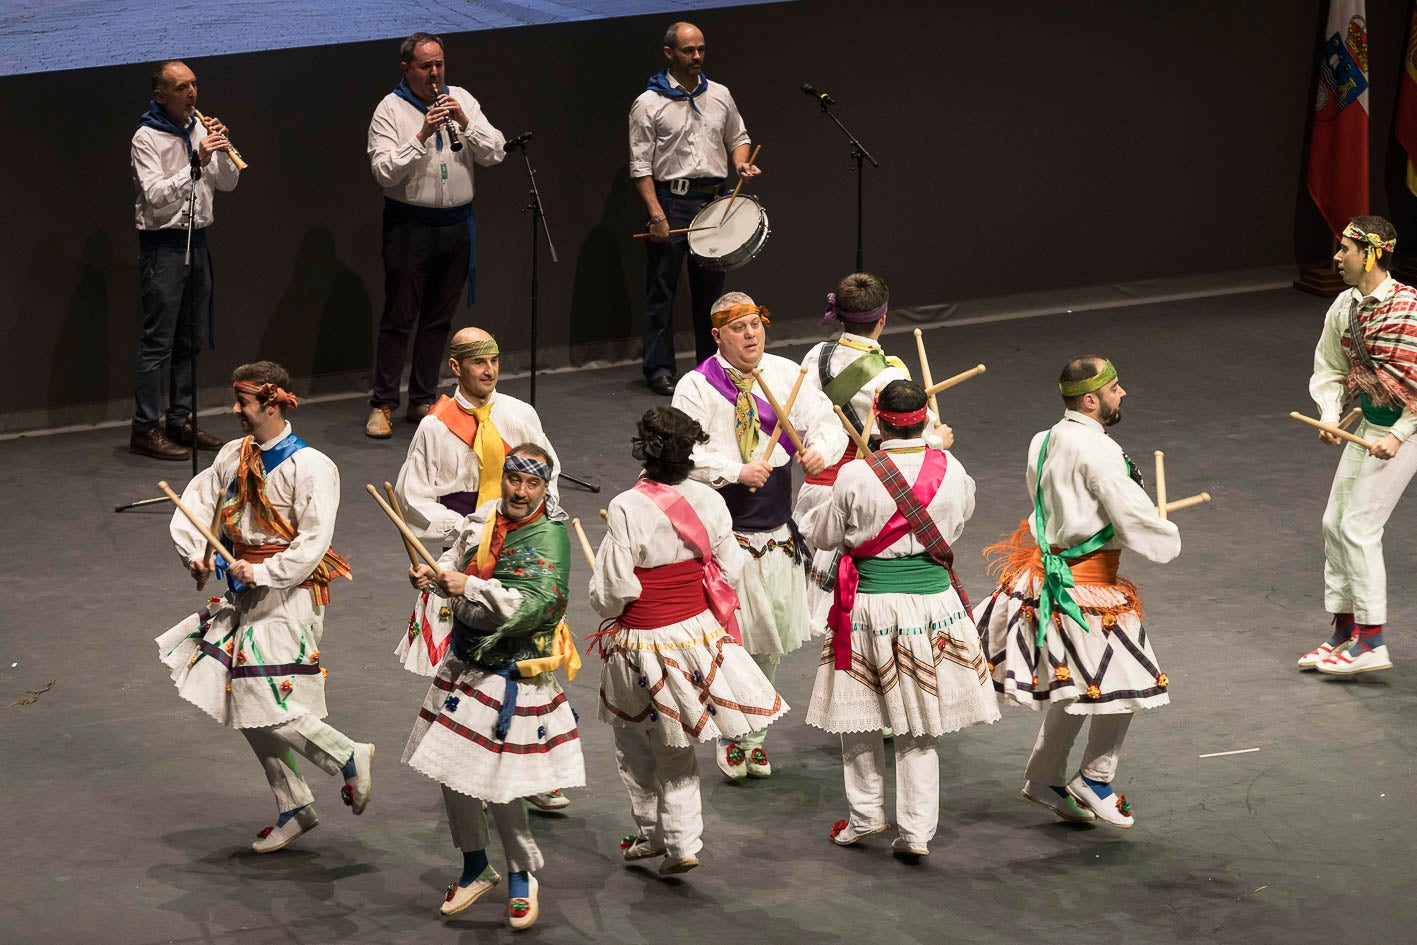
(820, 96)
(517, 142)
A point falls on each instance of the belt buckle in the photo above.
(679, 187)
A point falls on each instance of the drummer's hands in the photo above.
(659, 229)
(748, 170)
(812, 462)
(754, 474)
(1385, 447)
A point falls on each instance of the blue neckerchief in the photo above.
(404, 92)
(659, 83)
(156, 117)
(270, 459)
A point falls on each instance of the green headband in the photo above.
(1087, 385)
(473, 349)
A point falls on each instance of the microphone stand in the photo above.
(859, 155)
(191, 331)
(539, 226)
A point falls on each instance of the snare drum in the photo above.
(737, 241)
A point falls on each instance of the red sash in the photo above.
(668, 594)
(721, 599)
(927, 484)
(827, 477)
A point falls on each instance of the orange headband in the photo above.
(734, 312)
(267, 394)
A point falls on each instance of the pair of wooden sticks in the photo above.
(1163, 507)
(1338, 430)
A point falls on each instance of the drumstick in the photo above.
(585, 542)
(213, 542)
(682, 229)
(394, 501)
(409, 537)
(1352, 415)
(731, 200)
(867, 428)
(1161, 484)
(863, 449)
(959, 378)
(1187, 502)
(215, 529)
(777, 409)
(925, 377)
(782, 418)
(604, 515)
(1331, 429)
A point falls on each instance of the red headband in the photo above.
(900, 420)
(267, 394)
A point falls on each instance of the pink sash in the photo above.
(722, 600)
(927, 484)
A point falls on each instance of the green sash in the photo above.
(1378, 414)
(853, 377)
(1057, 576)
(913, 574)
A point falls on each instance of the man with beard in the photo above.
(1063, 630)
(251, 660)
(495, 726)
(1366, 349)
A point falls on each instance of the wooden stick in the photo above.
(604, 515)
(1187, 502)
(409, 536)
(585, 542)
(1161, 484)
(213, 542)
(782, 418)
(1331, 429)
(732, 200)
(394, 501)
(869, 426)
(863, 448)
(925, 377)
(777, 409)
(959, 378)
(1353, 414)
(215, 529)
(682, 229)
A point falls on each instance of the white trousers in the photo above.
(1049, 762)
(663, 783)
(468, 823)
(277, 745)
(767, 662)
(1365, 491)
(917, 782)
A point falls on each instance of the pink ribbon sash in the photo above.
(932, 474)
(722, 600)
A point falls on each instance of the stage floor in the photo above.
(128, 812)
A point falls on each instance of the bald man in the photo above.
(454, 464)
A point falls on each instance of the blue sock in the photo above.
(1370, 637)
(473, 863)
(1060, 791)
(1100, 788)
(347, 769)
(286, 816)
(1343, 627)
(518, 887)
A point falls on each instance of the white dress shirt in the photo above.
(439, 463)
(719, 461)
(861, 506)
(1086, 486)
(669, 140)
(162, 177)
(862, 400)
(1328, 385)
(640, 535)
(304, 489)
(420, 174)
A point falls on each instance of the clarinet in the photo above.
(231, 151)
(450, 126)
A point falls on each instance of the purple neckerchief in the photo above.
(713, 372)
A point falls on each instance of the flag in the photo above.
(1405, 128)
(1338, 149)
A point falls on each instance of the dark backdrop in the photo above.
(1024, 146)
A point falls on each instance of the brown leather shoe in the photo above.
(182, 436)
(380, 424)
(155, 444)
(416, 412)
